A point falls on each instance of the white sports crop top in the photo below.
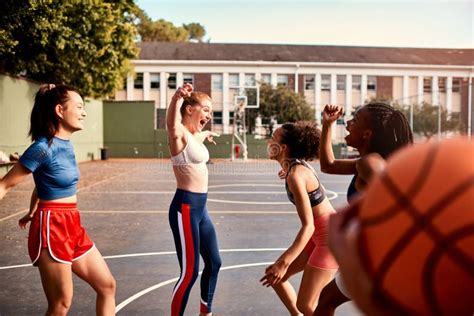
(194, 152)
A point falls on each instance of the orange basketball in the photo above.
(417, 230)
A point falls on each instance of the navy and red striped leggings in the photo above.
(193, 234)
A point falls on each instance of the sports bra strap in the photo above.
(296, 161)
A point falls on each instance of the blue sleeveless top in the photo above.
(351, 190)
(315, 196)
(54, 168)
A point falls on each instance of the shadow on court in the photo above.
(124, 206)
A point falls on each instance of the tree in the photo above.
(165, 31)
(427, 116)
(283, 104)
(85, 44)
(196, 31)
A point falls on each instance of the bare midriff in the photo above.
(192, 177)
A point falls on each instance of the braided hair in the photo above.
(390, 127)
(302, 139)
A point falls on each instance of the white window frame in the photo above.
(217, 82)
(309, 82)
(283, 82)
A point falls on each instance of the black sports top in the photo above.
(351, 190)
(316, 196)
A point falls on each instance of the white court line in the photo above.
(157, 286)
(166, 212)
(248, 202)
(172, 192)
(14, 214)
(244, 184)
(225, 181)
(79, 190)
(144, 254)
(334, 194)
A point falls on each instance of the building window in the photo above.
(266, 79)
(456, 85)
(356, 82)
(188, 78)
(325, 82)
(217, 117)
(442, 84)
(282, 80)
(233, 80)
(249, 80)
(155, 81)
(172, 80)
(231, 117)
(138, 82)
(341, 82)
(309, 82)
(371, 83)
(216, 80)
(426, 84)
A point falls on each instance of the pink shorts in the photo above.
(317, 247)
(57, 227)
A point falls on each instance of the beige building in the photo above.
(348, 76)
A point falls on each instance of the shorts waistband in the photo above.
(57, 206)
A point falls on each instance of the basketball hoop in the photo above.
(240, 103)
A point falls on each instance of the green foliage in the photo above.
(282, 103)
(162, 30)
(285, 104)
(165, 31)
(85, 44)
(426, 117)
(196, 31)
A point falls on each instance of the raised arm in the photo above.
(173, 119)
(16, 175)
(329, 164)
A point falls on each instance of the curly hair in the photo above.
(302, 139)
(390, 127)
(195, 98)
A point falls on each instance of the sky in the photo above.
(394, 23)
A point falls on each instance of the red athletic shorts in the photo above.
(317, 247)
(57, 227)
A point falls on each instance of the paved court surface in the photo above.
(124, 206)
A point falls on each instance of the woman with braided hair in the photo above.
(377, 130)
(292, 145)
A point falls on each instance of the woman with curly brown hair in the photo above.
(292, 145)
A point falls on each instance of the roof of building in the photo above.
(304, 53)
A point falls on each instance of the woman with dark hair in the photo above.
(377, 130)
(57, 243)
(292, 145)
(193, 231)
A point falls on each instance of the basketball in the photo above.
(417, 230)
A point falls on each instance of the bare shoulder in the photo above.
(296, 177)
(370, 165)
